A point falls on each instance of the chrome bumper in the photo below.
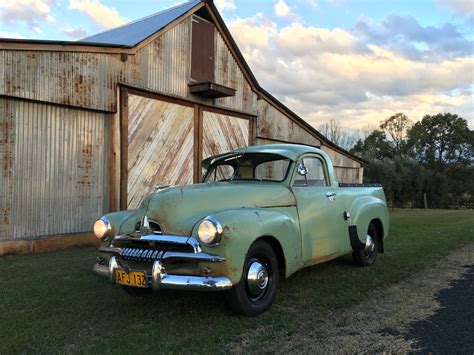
(159, 279)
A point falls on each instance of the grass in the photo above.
(54, 303)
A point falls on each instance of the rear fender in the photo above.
(365, 209)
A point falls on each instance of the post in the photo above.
(424, 199)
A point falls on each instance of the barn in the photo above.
(91, 126)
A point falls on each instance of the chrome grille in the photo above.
(137, 254)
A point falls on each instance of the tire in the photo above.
(249, 297)
(137, 291)
(368, 255)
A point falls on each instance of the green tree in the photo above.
(375, 146)
(440, 140)
(396, 127)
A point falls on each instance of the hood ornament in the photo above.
(158, 187)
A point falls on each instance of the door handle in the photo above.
(331, 196)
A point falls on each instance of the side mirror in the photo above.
(302, 169)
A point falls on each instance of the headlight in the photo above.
(102, 227)
(210, 231)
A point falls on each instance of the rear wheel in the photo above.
(368, 255)
(256, 291)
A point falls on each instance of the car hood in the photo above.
(178, 209)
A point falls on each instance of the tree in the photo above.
(334, 131)
(397, 126)
(440, 140)
(375, 146)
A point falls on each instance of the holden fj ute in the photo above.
(260, 213)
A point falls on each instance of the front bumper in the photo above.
(157, 277)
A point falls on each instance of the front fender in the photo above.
(123, 222)
(241, 227)
(365, 209)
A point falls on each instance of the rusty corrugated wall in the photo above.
(54, 176)
(163, 65)
(273, 124)
(70, 78)
(228, 73)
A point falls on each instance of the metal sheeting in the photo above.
(223, 133)
(339, 159)
(134, 32)
(71, 78)
(273, 124)
(58, 178)
(228, 73)
(164, 64)
(160, 148)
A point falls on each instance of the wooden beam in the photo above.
(197, 145)
(123, 149)
(114, 161)
(200, 140)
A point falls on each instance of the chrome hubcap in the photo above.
(369, 246)
(257, 279)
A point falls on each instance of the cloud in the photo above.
(403, 34)
(74, 32)
(311, 3)
(284, 11)
(33, 12)
(462, 8)
(325, 74)
(223, 5)
(106, 17)
(11, 35)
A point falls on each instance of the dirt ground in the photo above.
(401, 318)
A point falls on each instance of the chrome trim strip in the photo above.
(164, 238)
(176, 239)
(160, 279)
(170, 255)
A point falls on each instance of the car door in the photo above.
(319, 212)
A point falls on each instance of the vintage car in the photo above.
(260, 212)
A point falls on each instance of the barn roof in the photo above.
(133, 33)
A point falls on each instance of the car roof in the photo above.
(290, 151)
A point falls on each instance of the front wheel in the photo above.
(368, 255)
(256, 291)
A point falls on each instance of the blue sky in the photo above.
(354, 61)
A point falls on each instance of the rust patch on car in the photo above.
(323, 258)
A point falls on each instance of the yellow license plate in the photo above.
(132, 278)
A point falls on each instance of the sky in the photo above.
(354, 61)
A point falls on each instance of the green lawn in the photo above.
(54, 303)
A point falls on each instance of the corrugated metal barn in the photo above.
(88, 127)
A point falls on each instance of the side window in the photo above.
(220, 172)
(315, 176)
(272, 170)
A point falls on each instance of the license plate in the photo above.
(132, 278)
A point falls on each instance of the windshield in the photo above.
(250, 166)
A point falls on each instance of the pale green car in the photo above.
(261, 212)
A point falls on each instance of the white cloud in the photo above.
(223, 5)
(107, 17)
(284, 11)
(11, 35)
(74, 32)
(33, 12)
(461, 7)
(325, 74)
